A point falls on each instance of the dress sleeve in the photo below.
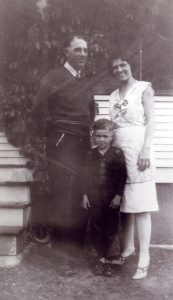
(147, 85)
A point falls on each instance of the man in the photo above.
(66, 102)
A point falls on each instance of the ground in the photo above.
(47, 273)
(64, 274)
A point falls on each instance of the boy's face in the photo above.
(102, 138)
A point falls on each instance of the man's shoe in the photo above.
(108, 270)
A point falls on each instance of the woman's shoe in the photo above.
(141, 272)
(120, 261)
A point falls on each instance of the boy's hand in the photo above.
(115, 203)
(85, 202)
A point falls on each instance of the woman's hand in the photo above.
(85, 202)
(144, 159)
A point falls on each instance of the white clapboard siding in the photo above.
(163, 112)
(163, 136)
(162, 155)
(165, 148)
(164, 119)
(163, 133)
(163, 141)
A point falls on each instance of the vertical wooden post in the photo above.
(140, 57)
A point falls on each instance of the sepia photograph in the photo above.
(86, 149)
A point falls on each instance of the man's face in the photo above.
(77, 53)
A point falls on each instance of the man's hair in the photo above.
(71, 37)
(103, 124)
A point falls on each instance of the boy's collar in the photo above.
(102, 154)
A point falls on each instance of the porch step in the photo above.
(12, 244)
(15, 179)
(15, 174)
(15, 193)
(14, 214)
(8, 230)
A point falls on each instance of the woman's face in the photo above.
(121, 69)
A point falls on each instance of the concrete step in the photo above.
(10, 153)
(3, 139)
(14, 214)
(8, 230)
(7, 146)
(19, 194)
(13, 174)
(13, 161)
(12, 244)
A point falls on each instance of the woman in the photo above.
(132, 111)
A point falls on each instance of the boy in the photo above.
(103, 188)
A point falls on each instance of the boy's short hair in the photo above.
(103, 124)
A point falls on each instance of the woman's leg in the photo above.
(144, 233)
(128, 234)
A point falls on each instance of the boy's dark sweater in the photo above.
(106, 171)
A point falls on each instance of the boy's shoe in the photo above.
(108, 270)
(99, 268)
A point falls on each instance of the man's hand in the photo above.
(115, 203)
(85, 202)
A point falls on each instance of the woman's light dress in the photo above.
(128, 116)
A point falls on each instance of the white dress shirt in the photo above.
(72, 70)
